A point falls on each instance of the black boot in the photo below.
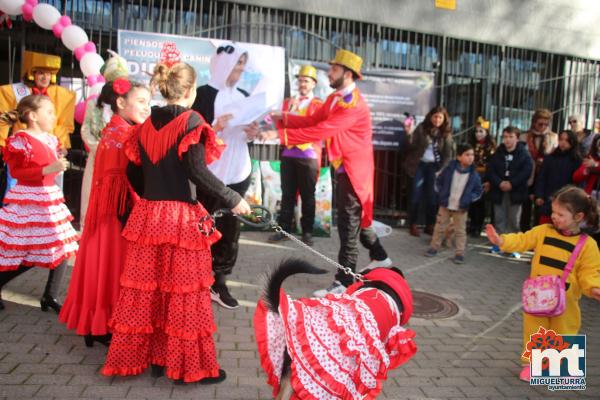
(102, 339)
(55, 276)
(157, 371)
(216, 379)
(307, 238)
(47, 302)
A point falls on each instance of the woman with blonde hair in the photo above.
(164, 316)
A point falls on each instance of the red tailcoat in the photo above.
(346, 125)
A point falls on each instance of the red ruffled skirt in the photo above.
(94, 287)
(164, 314)
(35, 228)
(334, 345)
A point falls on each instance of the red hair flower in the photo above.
(169, 54)
(121, 86)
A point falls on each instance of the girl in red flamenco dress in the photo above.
(164, 316)
(34, 223)
(94, 287)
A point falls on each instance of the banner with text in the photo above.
(264, 72)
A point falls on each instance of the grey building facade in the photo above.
(500, 59)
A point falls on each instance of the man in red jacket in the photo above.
(344, 122)
(300, 162)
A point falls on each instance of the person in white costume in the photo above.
(234, 167)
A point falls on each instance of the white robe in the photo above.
(234, 166)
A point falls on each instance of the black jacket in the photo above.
(556, 171)
(519, 172)
(169, 179)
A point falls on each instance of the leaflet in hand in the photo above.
(249, 109)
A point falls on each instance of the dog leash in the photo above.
(262, 218)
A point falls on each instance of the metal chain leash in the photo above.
(300, 243)
(267, 222)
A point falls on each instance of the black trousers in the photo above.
(298, 175)
(477, 215)
(349, 215)
(530, 214)
(225, 251)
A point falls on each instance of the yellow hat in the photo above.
(349, 60)
(483, 123)
(34, 61)
(308, 71)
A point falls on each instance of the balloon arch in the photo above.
(73, 37)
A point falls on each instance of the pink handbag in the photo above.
(545, 296)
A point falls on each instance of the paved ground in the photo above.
(474, 354)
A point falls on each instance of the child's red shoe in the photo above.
(525, 374)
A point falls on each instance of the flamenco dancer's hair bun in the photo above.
(172, 77)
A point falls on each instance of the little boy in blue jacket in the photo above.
(458, 185)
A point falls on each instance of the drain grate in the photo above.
(431, 306)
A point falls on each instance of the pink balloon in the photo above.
(64, 21)
(90, 46)
(60, 26)
(80, 112)
(58, 29)
(94, 79)
(27, 12)
(33, 3)
(91, 80)
(79, 52)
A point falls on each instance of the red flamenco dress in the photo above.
(341, 346)
(164, 316)
(35, 228)
(94, 287)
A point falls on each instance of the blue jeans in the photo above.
(423, 192)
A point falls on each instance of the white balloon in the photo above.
(91, 63)
(74, 37)
(12, 7)
(45, 15)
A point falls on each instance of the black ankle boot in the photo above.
(48, 302)
(102, 339)
(157, 370)
(217, 379)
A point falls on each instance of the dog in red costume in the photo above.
(337, 347)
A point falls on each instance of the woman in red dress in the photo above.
(94, 287)
(34, 224)
(164, 316)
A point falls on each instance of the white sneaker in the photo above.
(335, 288)
(378, 264)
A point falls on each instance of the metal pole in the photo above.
(443, 70)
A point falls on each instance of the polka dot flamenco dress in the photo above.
(164, 316)
(341, 346)
(35, 228)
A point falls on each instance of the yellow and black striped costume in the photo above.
(552, 252)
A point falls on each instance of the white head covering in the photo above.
(223, 62)
(234, 165)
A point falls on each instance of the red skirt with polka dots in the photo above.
(164, 314)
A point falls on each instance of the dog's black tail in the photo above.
(287, 268)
